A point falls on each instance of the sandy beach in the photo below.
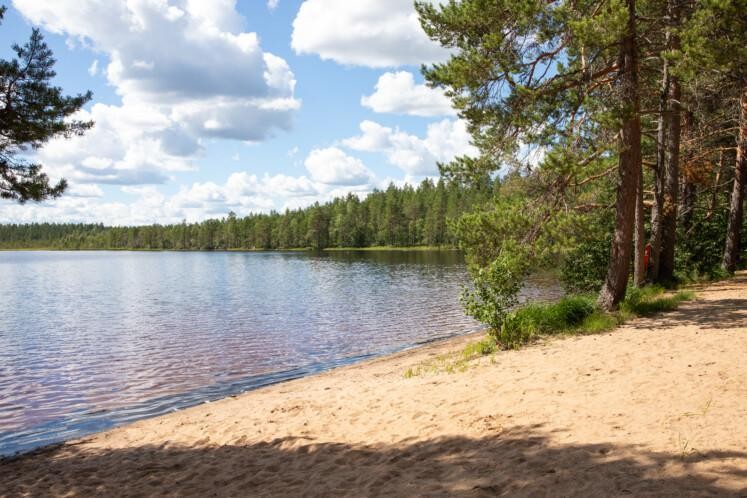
(655, 408)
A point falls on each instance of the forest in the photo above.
(397, 216)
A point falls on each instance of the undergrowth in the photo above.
(572, 315)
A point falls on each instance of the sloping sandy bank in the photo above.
(655, 408)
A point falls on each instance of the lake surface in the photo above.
(90, 340)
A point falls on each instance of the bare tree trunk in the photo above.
(734, 227)
(661, 143)
(671, 179)
(629, 170)
(672, 158)
(639, 264)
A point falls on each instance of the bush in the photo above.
(700, 249)
(584, 267)
(496, 289)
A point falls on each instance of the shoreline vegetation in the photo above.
(675, 388)
(572, 315)
(290, 249)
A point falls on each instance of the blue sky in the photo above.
(208, 106)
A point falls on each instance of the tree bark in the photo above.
(661, 142)
(671, 173)
(629, 170)
(639, 264)
(734, 226)
(671, 179)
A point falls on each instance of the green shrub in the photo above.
(496, 289)
(700, 249)
(584, 267)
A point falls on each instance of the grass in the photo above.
(572, 315)
(650, 300)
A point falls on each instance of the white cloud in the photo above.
(444, 141)
(373, 33)
(272, 4)
(93, 69)
(89, 191)
(130, 144)
(242, 192)
(185, 70)
(397, 93)
(332, 166)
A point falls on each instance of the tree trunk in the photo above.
(639, 263)
(734, 227)
(671, 172)
(629, 170)
(661, 142)
(671, 179)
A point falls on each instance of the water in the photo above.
(90, 340)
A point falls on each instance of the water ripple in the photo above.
(91, 340)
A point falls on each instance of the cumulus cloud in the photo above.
(185, 70)
(130, 144)
(272, 4)
(373, 33)
(332, 166)
(397, 93)
(242, 192)
(416, 156)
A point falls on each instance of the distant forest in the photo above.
(397, 216)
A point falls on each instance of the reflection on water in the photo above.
(89, 340)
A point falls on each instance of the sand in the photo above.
(655, 408)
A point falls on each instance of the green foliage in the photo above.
(700, 249)
(580, 315)
(584, 268)
(397, 217)
(32, 113)
(584, 265)
(532, 320)
(496, 288)
(651, 299)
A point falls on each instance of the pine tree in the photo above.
(32, 113)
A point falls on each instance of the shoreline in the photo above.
(239, 250)
(245, 386)
(653, 408)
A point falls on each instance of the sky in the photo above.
(202, 107)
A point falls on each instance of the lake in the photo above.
(90, 340)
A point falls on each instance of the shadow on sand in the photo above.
(726, 313)
(521, 461)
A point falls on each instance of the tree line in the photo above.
(397, 216)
